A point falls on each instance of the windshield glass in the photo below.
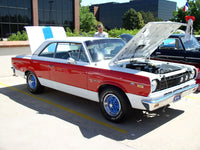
(104, 49)
(190, 43)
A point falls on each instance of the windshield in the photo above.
(104, 49)
(191, 43)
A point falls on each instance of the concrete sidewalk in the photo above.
(14, 43)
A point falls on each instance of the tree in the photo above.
(132, 20)
(87, 20)
(140, 21)
(148, 17)
(144, 16)
(194, 10)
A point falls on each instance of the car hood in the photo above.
(38, 34)
(146, 40)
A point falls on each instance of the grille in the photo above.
(167, 82)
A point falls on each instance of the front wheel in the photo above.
(33, 83)
(114, 104)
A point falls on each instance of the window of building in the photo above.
(14, 15)
(56, 12)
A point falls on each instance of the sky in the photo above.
(180, 3)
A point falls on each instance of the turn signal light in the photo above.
(156, 105)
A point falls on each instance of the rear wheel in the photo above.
(33, 83)
(114, 104)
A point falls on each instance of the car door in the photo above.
(69, 65)
(193, 57)
(42, 62)
(170, 50)
(192, 48)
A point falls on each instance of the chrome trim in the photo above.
(168, 98)
(193, 58)
(166, 56)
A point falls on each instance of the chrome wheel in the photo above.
(112, 105)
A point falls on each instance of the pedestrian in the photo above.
(100, 32)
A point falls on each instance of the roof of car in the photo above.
(74, 39)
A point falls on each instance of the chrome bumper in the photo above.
(174, 96)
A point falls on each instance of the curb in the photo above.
(4, 44)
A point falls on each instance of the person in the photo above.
(100, 32)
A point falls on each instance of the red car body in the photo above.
(107, 71)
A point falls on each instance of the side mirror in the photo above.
(71, 61)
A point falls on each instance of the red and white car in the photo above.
(117, 75)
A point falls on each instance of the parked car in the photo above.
(177, 48)
(126, 37)
(117, 75)
(198, 38)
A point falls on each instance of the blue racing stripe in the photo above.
(47, 32)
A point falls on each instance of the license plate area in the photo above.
(177, 97)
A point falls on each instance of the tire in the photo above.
(33, 84)
(114, 104)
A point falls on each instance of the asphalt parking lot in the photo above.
(56, 120)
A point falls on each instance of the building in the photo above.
(15, 14)
(111, 14)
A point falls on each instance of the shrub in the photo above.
(117, 32)
(18, 37)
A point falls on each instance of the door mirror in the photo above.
(71, 60)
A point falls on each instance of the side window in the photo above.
(83, 56)
(62, 51)
(49, 50)
(73, 50)
(171, 44)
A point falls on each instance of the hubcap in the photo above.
(32, 81)
(112, 105)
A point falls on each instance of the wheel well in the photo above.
(101, 88)
(26, 72)
(105, 86)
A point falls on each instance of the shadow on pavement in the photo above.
(137, 124)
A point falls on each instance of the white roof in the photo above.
(73, 39)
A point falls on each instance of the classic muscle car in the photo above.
(117, 75)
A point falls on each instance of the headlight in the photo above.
(192, 74)
(153, 85)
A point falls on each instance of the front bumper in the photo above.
(174, 96)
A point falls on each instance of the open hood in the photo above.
(145, 42)
(38, 34)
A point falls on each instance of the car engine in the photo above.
(152, 68)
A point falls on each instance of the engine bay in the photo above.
(152, 68)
